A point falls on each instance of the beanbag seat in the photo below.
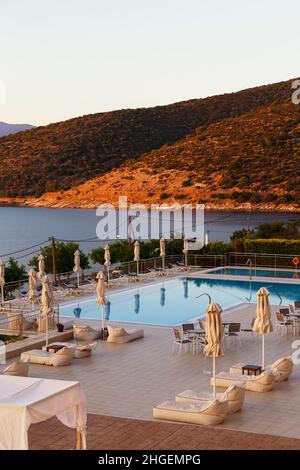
(234, 395)
(119, 335)
(63, 357)
(211, 413)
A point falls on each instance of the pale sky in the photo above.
(65, 58)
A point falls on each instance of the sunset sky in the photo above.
(64, 58)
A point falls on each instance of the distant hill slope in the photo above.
(249, 161)
(6, 129)
(66, 154)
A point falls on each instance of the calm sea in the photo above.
(22, 227)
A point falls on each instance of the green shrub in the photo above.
(272, 246)
(164, 196)
(64, 255)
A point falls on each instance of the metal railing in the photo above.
(20, 321)
(18, 289)
(171, 261)
(263, 260)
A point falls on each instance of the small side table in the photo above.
(251, 369)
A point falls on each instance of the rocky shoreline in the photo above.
(67, 204)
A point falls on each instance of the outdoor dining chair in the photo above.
(282, 323)
(180, 340)
(233, 331)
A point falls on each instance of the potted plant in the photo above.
(60, 327)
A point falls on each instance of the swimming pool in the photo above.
(285, 274)
(173, 302)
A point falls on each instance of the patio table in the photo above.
(196, 331)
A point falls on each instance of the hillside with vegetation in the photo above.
(225, 151)
(247, 162)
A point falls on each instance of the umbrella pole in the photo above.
(78, 279)
(46, 331)
(107, 267)
(137, 268)
(214, 377)
(263, 352)
(102, 310)
(163, 264)
(2, 293)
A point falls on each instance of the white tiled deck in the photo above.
(127, 380)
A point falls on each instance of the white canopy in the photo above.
(27, 400)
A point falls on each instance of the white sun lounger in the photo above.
(235, 396)
(210, 413)
(263, 382)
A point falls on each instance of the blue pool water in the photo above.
(174, 302)
(258, 272)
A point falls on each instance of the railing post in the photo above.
(21, 325)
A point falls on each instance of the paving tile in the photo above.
(128, 380)
(124, 433)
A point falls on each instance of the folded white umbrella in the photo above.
(77, 268)
(162, 246)
(185, 250)
(101, 299)
(107, 262)
(263, 323)
(2, 279)
(41, 272)
(32, 291)
(137, 255)
(46, 301)
(213, 337)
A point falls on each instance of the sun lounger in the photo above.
(84, 351)
(68, 324)
(86, 333)
(79, 351)
(19, 368)
(282, 368)
(235, 396)
(263, 382)
(211, 413)
(120, 336)
(63, 357)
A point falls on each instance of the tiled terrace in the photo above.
(107, 432)
(127, 380)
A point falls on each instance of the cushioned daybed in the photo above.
(19, 368)
(235, 396)
(255, 383)
(63, 357)
(282, 368)
(79, 351)
(86, 333)
(211, 413)
(119, 335)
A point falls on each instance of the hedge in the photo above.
(272, 246)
